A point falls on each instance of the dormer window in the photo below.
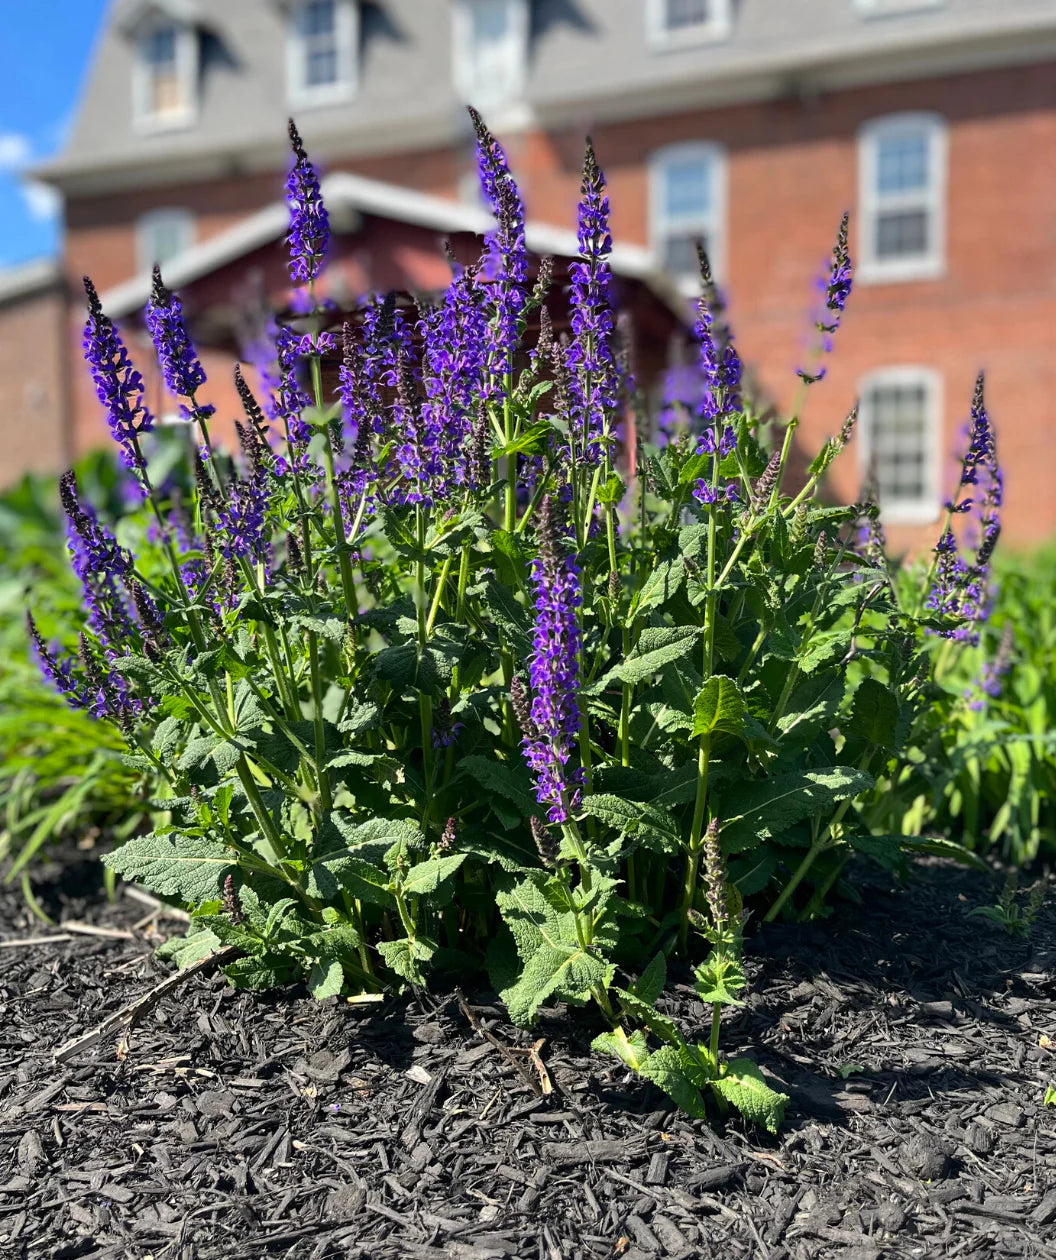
(165, 83)
(491, 51)
(322, 45)
(680, 23)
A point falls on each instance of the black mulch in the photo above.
(232, 1125)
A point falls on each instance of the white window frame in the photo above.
(346, 33)
(148, 223)
(663, 39)
(464, 71)
(892, 8)
(712, 226)
(925, 509)
(187, 61)
(927, 266)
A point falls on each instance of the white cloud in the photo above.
(42, 201)
(15, 151)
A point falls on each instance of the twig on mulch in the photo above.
(24, 942)
(539, 1087)
(134, 1011)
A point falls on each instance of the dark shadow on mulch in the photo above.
(911, 1038)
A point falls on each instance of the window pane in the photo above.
(318, 17)
(162, 238)
(679, 14)
(159, 47)
(687, 189)
(321, 68)
(680, 253)
(902, 162)
(901, 234)
(898, 433)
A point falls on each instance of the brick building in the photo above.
(752, 123)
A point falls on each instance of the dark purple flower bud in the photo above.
(151, 621)
(117, 383)
(242, 523)
(445, 732)
(838, 289)
(249, 404)
(180, 364)
(57, 669)
(764, 487)
(544, 841)
(100, 564)
(714, 875)
(309, 234)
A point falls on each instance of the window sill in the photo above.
(150, 124)
(661, 42)
(909, 514)
(899, 271)
(318, 98)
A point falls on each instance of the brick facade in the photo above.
(34, 399)
(792, 168)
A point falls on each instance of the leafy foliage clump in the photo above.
(437, 675)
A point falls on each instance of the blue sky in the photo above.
(44, 61)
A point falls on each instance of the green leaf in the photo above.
(650, 984)
(326, 979)
(510, 780)
(192, 868)
(668, 1068)
(406, 956)
(656, 648)
(765, 808)
(743, 1084)
(875, 715)
(719, 707)
(662, 584)
(354, 875)
(185, 951)
(650, 825)
(197, 751)
(427, 876)
(555, 965)
(662, 1025)
(812, 707)
(631, 1050)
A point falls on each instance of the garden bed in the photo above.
(229, 1124)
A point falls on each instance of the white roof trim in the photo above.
(343, 191)
(28, 279)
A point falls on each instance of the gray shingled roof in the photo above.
(588, 59)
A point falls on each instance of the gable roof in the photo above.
(354, 195)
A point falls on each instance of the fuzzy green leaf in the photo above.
(668, 1068)
(631, 1050)
(326, 979)
(508, 779)
(662, 584)
(874, 715)
(743, 1085)
(427, 876)
(765, 808)
(651, 826)
(719, 707)
(192, 868)
(656, 648)
(406, 956)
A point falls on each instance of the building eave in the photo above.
(352, 195)
(29, 279)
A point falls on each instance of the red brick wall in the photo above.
(792, 170)
(33, 399)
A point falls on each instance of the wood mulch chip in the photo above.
(912, 1039)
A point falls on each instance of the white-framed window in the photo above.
(322, 48)
(688, 205)
(678, 23)
(163, 234)
(901, 431)
(165, 75)
(490, 51)
(886, 8)
(902, 191)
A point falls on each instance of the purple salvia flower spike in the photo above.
(594, 381)
(180, 364)
(117, 383)
(309, 234)
(507, 262)
(553, 720)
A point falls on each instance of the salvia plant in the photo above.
(442, 671)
